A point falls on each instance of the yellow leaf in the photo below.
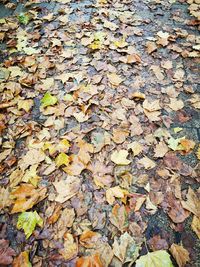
(198, 153)
(147, 163)
(196, 225)
(120, 157)
(25, 104)
(115, 192)
(70, 247)
(136, 148)
(114, 79)
(62, 159)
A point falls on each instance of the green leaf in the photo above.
(23, 18)
(48, 100)
(174, 144)
(158, 258)
(28, 221)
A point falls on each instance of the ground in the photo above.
(100, 132)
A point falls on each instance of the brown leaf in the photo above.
(118, 217)
(193, 203)
(22, 260)
(89, 239)
(180, 254)
(6, 253)
(26, 196)
(160, 150)
(157, 243)
(176, 211)
(70, 249)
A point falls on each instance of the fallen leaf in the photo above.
(176, 104)
(6, 253)
(160, 150)
(126, 249)
(119, 217)
(48, 100)
(114, 79)
(147, 163)
(136, 148)
(89, 239)
(115, 192)
(89, 261)
(26, 196)
(67, 188)
(157, 243)
(192, 203)
(120, 157)
(28, 221)
(158, 258)
(22, 260)
(70, 249)
(180, 254)
(62, 159)
(196, 225)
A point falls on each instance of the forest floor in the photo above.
(99, 133)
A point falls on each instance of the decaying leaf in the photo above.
(120, 157)
(26, 196)
(22, 260)
(70, 249)
(196, 225)
(192, 203)
(180, 254)
(89, 239)
(93, 260)
(126, 248)
(6, 253)
(66, 188)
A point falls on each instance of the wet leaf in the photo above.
(6, 253)
(22, 260)
(126, 249)
(28, 221)
(93, 260)
(26, 196)
(48, 100)
(180, 254)
(66, 189)
(158, 258)
(120, 157)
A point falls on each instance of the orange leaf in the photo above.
(89, 239)
(89, 261)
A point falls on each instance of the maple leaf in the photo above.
(28, 221)
(6, 253)
(158, 258)
(48, 100)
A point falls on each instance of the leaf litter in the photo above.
(98, 124)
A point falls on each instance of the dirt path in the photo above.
(100, 132)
